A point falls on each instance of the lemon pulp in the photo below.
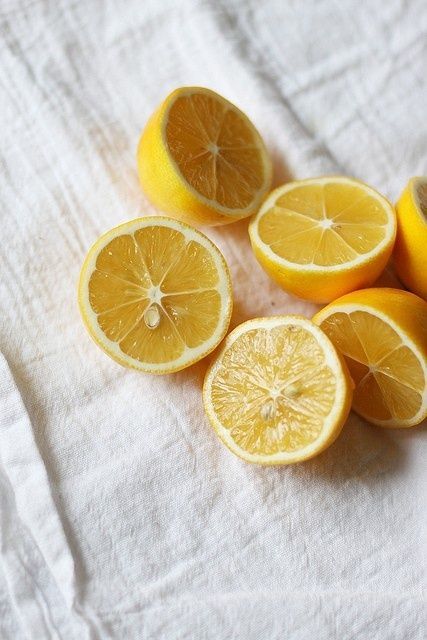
(324, 224)
(156, 294)
(388, 376)
(215, 150)
(202, 160)
(277, 393)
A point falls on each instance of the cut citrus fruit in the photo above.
(155, 294)
(410, 252)
(278, 392)
(323, 237)
(382, 334)
(201, 160)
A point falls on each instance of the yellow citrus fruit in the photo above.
(382, 334)
(155, 294)
(277, 392)
(201, 160)
(322, 237)
(410, 252)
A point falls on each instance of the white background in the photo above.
(121, 515)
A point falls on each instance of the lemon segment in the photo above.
(410, 252)
(155, 294)
(201, 160)
(322, 237)
(382, 334)
(277, 393)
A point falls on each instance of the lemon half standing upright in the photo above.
(200, 159)
(323, 237)
(155, 294)
(382, 334)
(277, 392)
(410, 251)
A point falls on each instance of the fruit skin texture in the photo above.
(403, 309)
(162, 181)
(410, 252)
(320, 286)
(345, 380)
(86, 311)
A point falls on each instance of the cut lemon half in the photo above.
(155, 294)
(382, 334)
(410, 252)
(201, 160)
(277, 392)
(323, 237)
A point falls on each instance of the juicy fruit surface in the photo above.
(389, 378)
(389, 374)
(421, 191)
(323, 237)
(264, 399)
(157, 292)
(215, 149)
(272, 390)
(324, 224)
(201, 159)
(410, 254)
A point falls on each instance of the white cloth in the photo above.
(121, 515)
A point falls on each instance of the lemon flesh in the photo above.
(277, 393)
(382, 333)
(155, 294)
(200, 159)
(322, 237)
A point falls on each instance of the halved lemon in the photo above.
(277, 392)
(201, 160)
(155, 294)
(322, 237)
(382, 334)
(410, 251)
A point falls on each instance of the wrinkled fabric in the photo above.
(121, 515)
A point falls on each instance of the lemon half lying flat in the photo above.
(382, 334)
(323, 237)
(201, 160)
(410, 252)
(155, 294)
(277, 392)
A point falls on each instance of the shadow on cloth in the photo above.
(361, 450)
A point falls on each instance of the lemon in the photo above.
(322, 237)
(277, 392)
(410, 253)
(382, 334)
(155, 294)
(201, 160)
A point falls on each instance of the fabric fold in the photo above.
(36, 561)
